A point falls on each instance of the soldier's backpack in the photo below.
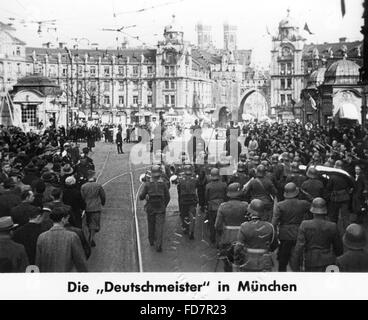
(156, 196)
(188, 193)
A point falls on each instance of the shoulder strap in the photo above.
(263, 187)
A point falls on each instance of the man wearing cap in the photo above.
(318, 242)
(287, 217)
(157, 196)
(91, 166)
(355, 257)
(312, 187)
(230, 215)
(188, 200)
(73, 198)
(19, 213)
(215, 194)
(94, 196)
(256, 241)
(263, 189)
(58, 249)
(14, 254)
(27, 234)
(48, 179)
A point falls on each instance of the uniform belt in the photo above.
(231, 228)
(256, 250)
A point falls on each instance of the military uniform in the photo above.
(215, 194)
(319, 242)
(312, 188)
(287, 217)
(155, 207)
(188, 201)
(258, 239)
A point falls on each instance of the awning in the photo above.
(81, 114)
(347, 111)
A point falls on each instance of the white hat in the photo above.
(70, 181)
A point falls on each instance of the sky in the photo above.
(85, 19)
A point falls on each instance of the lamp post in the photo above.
(364, 68)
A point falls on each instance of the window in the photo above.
(106, 86)
(172, 84)
(121, 85)
(107, 100)
(172, 101)
(282, 83)
(149, 85)
(121, 71)
(29, 115)
(135, 70)
(167, 85)
(186, 85)
(18, 68)
(289, 83)
(167, 100)
(135, 99)
(80, 70)
(93, 85)
(107, 71)
(121, 99)
(149, 99)
(18, 51)
(93, 71)
(172, 71)
(289, 68)
(149, 69)
(283, 100)
(64, 72)
(135, 85)
(289, 100)
(167, 71)
(93, 99)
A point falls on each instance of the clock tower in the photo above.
(287, 74)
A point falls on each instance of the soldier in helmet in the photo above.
(339, 189)
(312, 187)
(230, 216)
(318, 241)
(257, 240)
(277, 174)
(287, 217)
(240, 175)
(215, 194)
(355, 258)
(188, 200)
(262, 188)
(157, 196)
(295, 176)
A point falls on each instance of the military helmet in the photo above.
(188, 169)
(156, 171)
(355, 237)
(243, 157)
(338, 164)
(241, 167)
(256, 159)
(294, 167)
(312, 173)
(215, 174)
(261, 171)
(256, 208)
(291, 191)
(233, 190)
(318, 206)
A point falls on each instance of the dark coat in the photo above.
(319, 241)
(8, 200)
(19, 213)
(215, 194)
(27, 235)
(353, 261)
(12, 255)
(313, 188)
(73, 198)
(287, 217)
(159, 187)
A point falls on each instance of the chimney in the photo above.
(343, 39)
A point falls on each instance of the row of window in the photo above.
(286, 99)
(286, 83)
(286, 68)
(107, 70)
(107, 101)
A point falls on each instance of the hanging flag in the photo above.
(343, 8)
(306, 28)
(312, 102)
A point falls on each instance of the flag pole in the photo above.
(364, 68)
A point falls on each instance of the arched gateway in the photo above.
(253, 104)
